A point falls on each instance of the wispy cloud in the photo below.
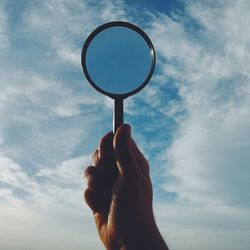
(192, 122)
(207, 164)
(64, 29)
(203, 227)
(47, 114)
(3, 27)
(213, 140)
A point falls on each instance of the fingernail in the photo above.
(99, 152)
(125, 135)
(105, 144)
(127, 130)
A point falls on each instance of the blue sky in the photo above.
(192, 121)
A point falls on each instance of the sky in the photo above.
(192, 121)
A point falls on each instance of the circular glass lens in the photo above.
(118, 60)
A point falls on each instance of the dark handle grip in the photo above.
(118, 114)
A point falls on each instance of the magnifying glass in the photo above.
(118, 60)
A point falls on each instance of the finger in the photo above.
(89, 171)
(107, 157)
(95, 181)
(124, 156)
(98, 181)
(96, 205)
(100, 220)
(104, 158)
(104, 155)
(92, 178)
(106, 152)
(92, 200)
(141, 160)
(95, 158)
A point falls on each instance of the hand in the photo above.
(120, 194)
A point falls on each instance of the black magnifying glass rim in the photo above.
(110, 25)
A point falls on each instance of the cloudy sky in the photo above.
(192, 121)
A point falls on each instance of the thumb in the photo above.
(125, 160)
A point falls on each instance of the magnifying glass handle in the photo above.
(118, 114)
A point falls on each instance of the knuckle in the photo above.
(91, 182)
(87, 195)
(89, 171)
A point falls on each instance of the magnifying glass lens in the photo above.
(118, 60)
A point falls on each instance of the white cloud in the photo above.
(46, 119)
(42, 125)
(3, 27)
(40, 121)
(61, 186)
(68, 174)
(53, 212)
(210, 158)
(210, 152)
(54, 228)
(207, 164)
(64, 24)
(70, 55)
(203, 227)
(12, 174)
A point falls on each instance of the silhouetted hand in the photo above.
(120, 195)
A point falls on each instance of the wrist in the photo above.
(145, 240)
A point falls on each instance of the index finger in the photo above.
(104, 158)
